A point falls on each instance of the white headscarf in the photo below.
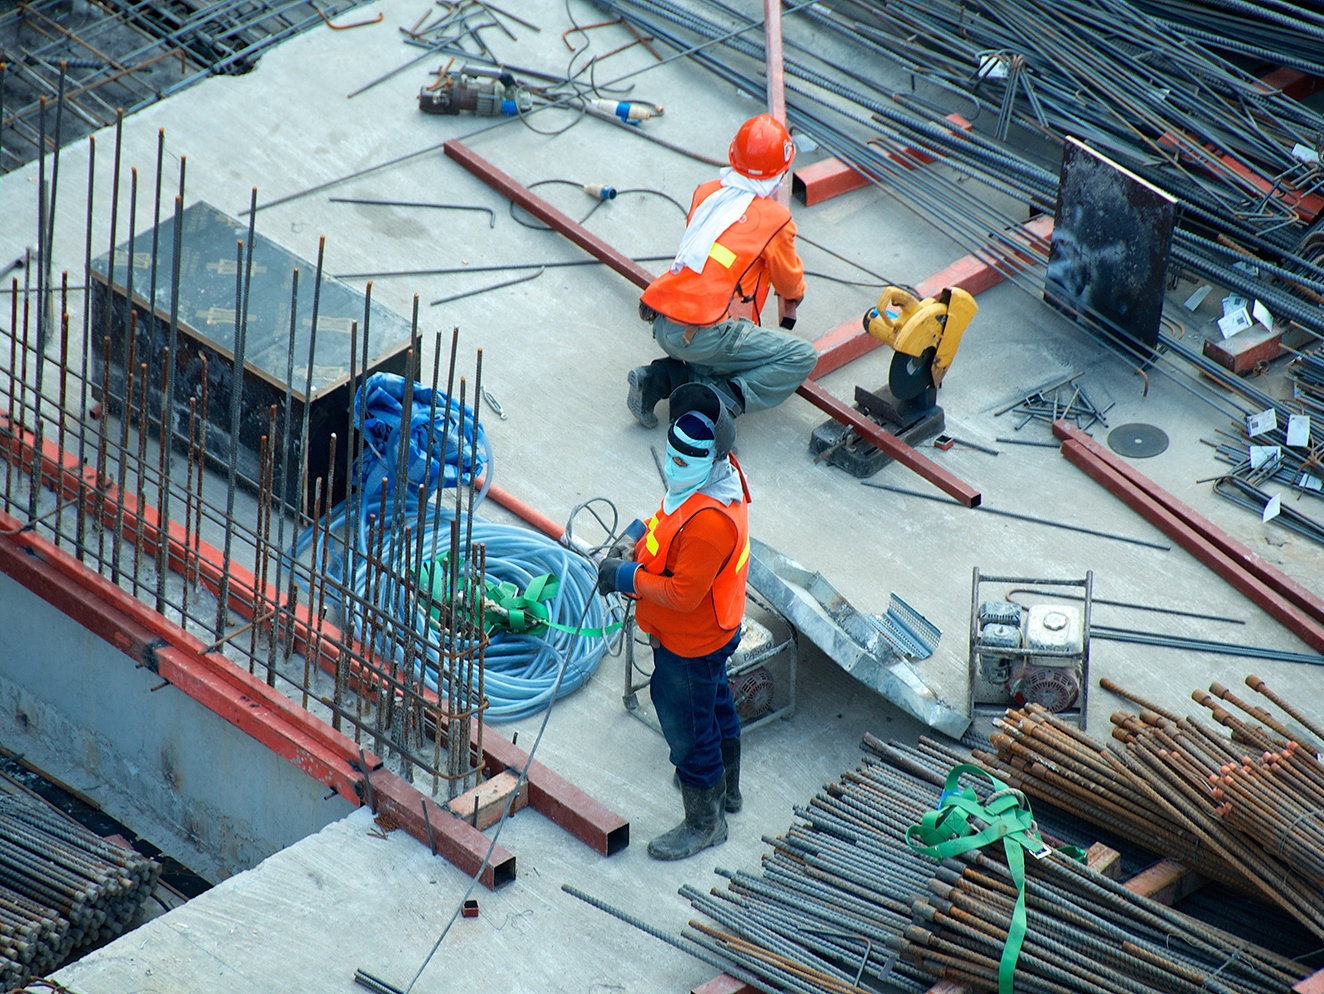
(717, 212)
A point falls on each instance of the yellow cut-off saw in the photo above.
(924, 334)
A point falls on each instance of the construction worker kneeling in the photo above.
(739, 243)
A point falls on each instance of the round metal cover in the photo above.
(1138, 440)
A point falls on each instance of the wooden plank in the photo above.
(1105, 860)
(1313, 984)
(722, 984)
(1166, 882)
(482, 806)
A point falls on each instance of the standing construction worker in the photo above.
(686, 570)
(739, 242)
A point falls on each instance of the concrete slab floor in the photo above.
(556, 352)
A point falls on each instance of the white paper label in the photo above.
(1233, 303)
(1263, 455)
(1298, 429)
(1273, 508)
(1304, 154)
(1247, 267)
(992, 67)
(1258, 424)
(1197, 298)
(1262, 315)
(1234, 323)
(1310, 482)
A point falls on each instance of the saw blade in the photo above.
(910, 375)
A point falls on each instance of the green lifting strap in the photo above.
(525, 613)
(946, 831)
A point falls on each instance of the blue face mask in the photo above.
(683, 481)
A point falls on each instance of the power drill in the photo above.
(460, 91)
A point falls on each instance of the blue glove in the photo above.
(616, 575)
(624, 547)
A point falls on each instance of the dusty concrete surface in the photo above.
(556, 352)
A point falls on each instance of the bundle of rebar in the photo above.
(843, 897)
(97, 58)
(62, 888)
(1242, 808)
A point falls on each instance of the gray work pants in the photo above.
(765, 364)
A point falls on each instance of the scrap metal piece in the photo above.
(909, 632)
(851, 639)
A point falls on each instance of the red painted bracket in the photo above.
(832, 177)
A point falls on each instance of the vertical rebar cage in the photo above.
(278, 553)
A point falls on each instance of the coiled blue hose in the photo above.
(520, 669)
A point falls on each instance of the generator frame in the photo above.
(1081, 710)
(736, 666)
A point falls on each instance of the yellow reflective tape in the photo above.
(724, 256)
(744, 556)
(650, 540)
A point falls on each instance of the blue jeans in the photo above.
(694, 706)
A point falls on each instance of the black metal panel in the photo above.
(1111, 238)
(208, 302)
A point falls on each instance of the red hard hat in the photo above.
(762, 148)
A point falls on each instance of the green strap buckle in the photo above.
(947, 831)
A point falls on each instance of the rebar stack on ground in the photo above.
(1177, 786)
(1088, 84)
(842, 897)
(1064, 400)
(62, 888)
(95, 59)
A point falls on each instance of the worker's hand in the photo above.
(624, 547)
(616, 576)
(786, 310)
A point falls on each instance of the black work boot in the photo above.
(704, 824)
(652, 383)
(731, 760)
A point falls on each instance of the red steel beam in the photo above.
(889, 443)
(558, 799)
(546, 213)
(454, 839)
(241, 699)
(1163, 518)
(1291, 592)
(123, 621)
(973, 273)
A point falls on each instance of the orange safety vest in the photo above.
(728, 591)
(734, 278)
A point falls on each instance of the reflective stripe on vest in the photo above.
(729, 584)
(734, 266)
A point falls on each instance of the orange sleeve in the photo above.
(695, 557)
(785, 270)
